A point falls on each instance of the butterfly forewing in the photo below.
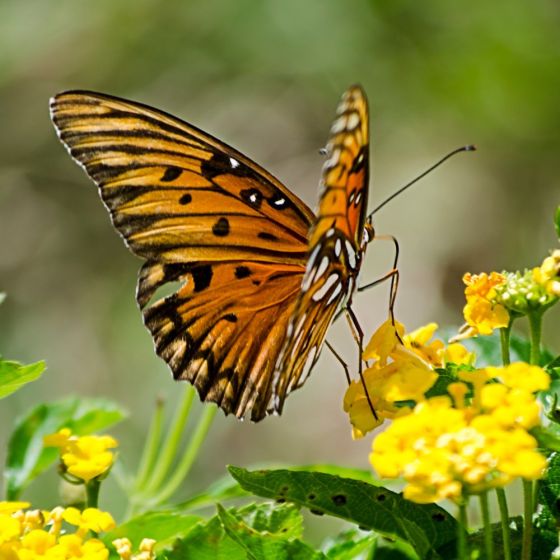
(175, 193)
(335, 247)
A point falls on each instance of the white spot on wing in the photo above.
(334, 295)
(358, 198)
(324, 289)
(234, 163)
(323, 265)
(338, 247)
(351, 254)
(353, 121)
(338, 125)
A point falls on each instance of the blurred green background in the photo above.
(265, 76)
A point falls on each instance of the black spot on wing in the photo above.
(202, 276)
(278, 201)
(221, 164)
(185, 199)
(231, 317)
(221, 228)
(242, 272)
(253, 197)
(267, 236)
(171, 173)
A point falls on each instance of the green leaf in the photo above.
(549, 495)
(350, 545)
(248, 532)
(27, 457)
(206, 541)
(14, 375)
(557, 221)
(548, 437)
(163, 526)
(425, 527)
(268, 541)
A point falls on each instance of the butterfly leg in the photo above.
(358, 335)
(340, 361)
(393, 274)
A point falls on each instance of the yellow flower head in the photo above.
(85, 457)
(482, 312)
(419, 342)
(91, 519)
(383, 342)
(449, 448)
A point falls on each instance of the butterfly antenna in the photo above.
(469, 148)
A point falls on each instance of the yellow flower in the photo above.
(456, 353)
(482, 312)
(418, 340)
(91, 519)
(10, 528)
(12, 507)
(521, 375)
(448, 452)
(383, 342)
(548, 274)
(73, 547)
(39, 545)
(84, 457)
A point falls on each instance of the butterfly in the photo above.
(256, 276)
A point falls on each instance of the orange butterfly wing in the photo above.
(203, 215)
(249, 315)
(337, 244)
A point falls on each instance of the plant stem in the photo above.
(484, 509)
(463, 530)
(504, 520)
(151, 447)
(169, 451)
(92, 493)
(190, 454)
(535, 324)
(527, 520)
(505, 333)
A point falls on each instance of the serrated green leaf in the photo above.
(271, 541)
(163, 526)
(549, 495)
(425, 527)
(14, 375)
(557, 221)
(206, 541)
(350, 545)
(27, 457)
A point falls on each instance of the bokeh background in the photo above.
(265, 76)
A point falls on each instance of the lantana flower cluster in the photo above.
(59, 534)
(456, 430)
(447, 448)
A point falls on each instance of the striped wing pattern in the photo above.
(254, 299)
(337, 242)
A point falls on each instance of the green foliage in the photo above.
(425, 527)
(14, 376)
(349, 545)
(163, 526)
(256, 531)
(557, 221)
(27, 458)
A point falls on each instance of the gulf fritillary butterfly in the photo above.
(260, 275)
